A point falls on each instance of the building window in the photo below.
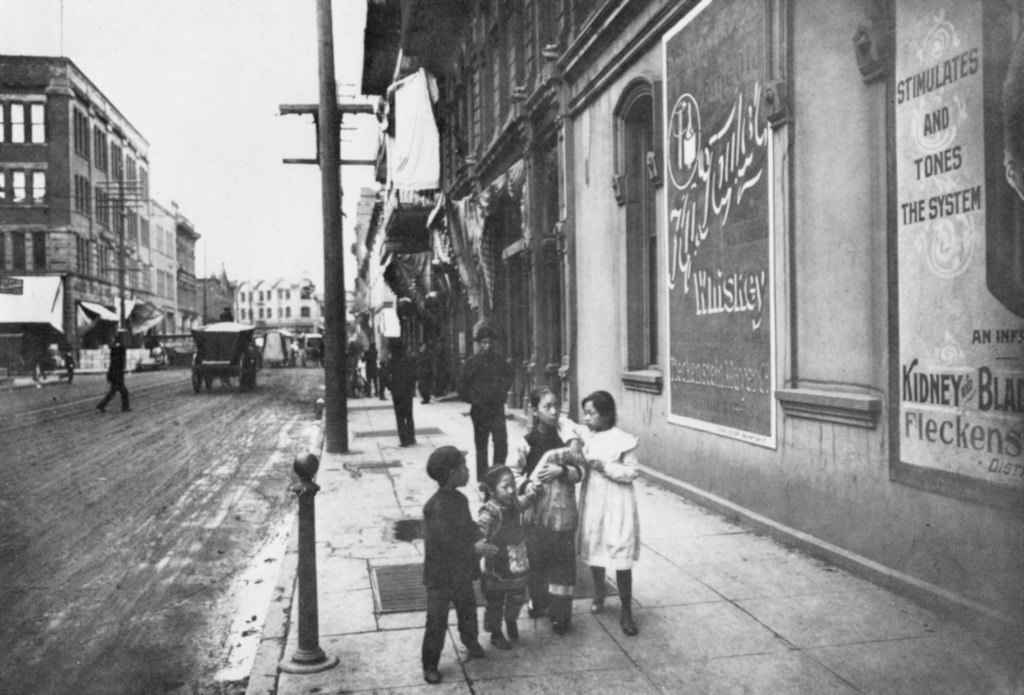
(81, 133)
(3, 126)
(144, 232)
(38, 186)
(3, 251)
(38, 250)
(102, 207)
(82, 195)
(81, 255)
(3, 186)
(635, 137)
(116, 162)
(17, 123)
(144, 183)
(287, 312)
(18, 260)
(38, 118)
(304, 312)
(99, 141)
(19, 186)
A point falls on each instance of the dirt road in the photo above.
(121, 534)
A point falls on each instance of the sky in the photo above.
(202, 81)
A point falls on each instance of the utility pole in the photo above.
(328, 119)
(329, 147)
(119, 197)
(120, 251)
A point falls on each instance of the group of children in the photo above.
(529, 528)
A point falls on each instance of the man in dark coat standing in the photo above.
(486, 379)
(425, 372)
(115, 376)
(402, 382)
(370, 359)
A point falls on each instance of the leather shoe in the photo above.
(475, 651)
(432, 676)
(498, 641)
(629, 628)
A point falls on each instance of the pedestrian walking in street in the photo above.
(370, 363)
(550, 455)
(609, 522)
(486, 379)
(452, 541)
(115, 376)
(505, 575)
(402, 382)
(69, 364)
(425, 373)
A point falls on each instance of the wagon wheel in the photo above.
(197, 382)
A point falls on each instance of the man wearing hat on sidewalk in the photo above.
(486, 379)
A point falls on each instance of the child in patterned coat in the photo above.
(505, 574)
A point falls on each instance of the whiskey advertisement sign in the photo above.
(719, 216)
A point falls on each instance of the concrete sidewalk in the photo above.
(721, 609)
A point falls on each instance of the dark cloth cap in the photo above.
(443, 461)
(484, 331)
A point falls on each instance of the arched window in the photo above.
(634, 186)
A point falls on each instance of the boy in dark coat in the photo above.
(486, 379)
(451, 543)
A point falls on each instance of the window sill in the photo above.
(852, 409)
(646, 380)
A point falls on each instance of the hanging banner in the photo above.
(719, 216)
(959, 124)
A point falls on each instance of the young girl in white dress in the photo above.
(609, 530)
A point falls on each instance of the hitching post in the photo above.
(308, 657)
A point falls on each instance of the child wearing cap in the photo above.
(451, 542)
(504, 578)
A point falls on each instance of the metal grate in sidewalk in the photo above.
(382, 406)
(394, 432)
(399, 588)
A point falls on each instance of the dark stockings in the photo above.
(624, 582)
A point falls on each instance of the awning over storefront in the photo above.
(96, 312)
(33, 299)
(143, 317)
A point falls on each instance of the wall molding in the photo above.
(839, 407)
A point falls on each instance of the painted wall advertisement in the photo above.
(717, 174)
(959, 125)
